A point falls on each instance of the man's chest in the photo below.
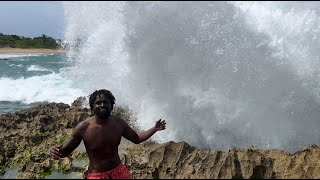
(96, 137)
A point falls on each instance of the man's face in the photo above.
(102, 107)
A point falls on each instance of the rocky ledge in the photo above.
(26, 137)
(182, 161)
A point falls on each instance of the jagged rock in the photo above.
(182, 161)
(36, 130)
(79, 102)
(26, 137)
(37, 167)
(2, 171)
(2, 158)
(65, 164)
(26, 175)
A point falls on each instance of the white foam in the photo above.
(18, 65)
(50, 88)
(293, 32)
(216, 73)
(8, 56)
(37, 68)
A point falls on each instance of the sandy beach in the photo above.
(20, 50)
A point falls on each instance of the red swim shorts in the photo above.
(119, 172)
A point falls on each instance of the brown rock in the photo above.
(26, 175)
(37, 129)
(65, 164)
(79, 102)
(181, 161)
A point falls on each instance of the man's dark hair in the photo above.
(106, 93)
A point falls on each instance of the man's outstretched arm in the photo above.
(66, 149)
(131, 135)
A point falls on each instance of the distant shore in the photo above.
(20, 50)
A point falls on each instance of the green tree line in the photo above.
(42, 41)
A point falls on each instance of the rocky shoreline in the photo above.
(27, 135)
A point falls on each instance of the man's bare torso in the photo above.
(101, 142)
(102, 134)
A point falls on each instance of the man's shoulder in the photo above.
(115, 117)
(85, 123)
(118, 120)
(89, 119)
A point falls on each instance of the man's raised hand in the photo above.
(160, 125)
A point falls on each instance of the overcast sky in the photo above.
(32, 18)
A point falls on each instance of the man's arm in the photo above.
(131, 135)
(66, 149)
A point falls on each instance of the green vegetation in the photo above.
(15, 41)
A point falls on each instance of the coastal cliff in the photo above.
(27, 135)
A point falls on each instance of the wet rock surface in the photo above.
(27, 136)
(182, 161)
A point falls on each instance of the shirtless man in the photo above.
(102, 135)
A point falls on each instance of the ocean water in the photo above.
(29, 79)
(222, 74)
